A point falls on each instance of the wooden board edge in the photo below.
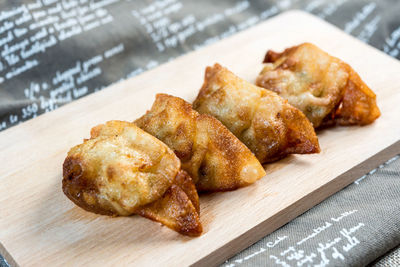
(9, 259)
(296, 209)
(299, 12)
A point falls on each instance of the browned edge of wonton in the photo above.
(209, 152)
(296, 134)
(177, 208)
(357, 104)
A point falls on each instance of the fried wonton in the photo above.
(213, 156)
(262, 120)
(122, 170)
(325, 88)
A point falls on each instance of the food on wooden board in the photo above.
(262, 120)
(325, 88)
(122, 170)
(156, 171)
(209, 152)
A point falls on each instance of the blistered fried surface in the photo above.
(213, 156)
(118, 170)
(178, 208)
(262, 120)
(123, 170)
(323, 87)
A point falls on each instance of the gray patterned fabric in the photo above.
(391, 259)
(351, 228)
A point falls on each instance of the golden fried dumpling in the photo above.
(213, 156)
(176, 209)
(325, 88)
(122, 170)
(262, 120)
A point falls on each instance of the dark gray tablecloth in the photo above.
(53, 52)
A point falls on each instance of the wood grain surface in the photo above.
(41, 227)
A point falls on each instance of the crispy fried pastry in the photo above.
(213, 156)
(175, 208)
(122, 170)
(262, 120)
(325, 88)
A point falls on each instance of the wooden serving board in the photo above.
(39, 226)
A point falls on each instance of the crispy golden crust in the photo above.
(185, 182)
(214, 157)
(178, 208)
(262, 120)
(122, 169)
(358, 105)
(325, 88)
